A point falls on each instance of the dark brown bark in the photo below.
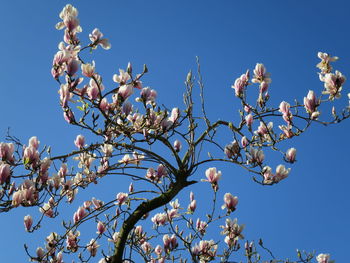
(143, 209)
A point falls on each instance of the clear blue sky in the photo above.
(309, 210)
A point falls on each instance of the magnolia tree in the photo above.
(158, 150)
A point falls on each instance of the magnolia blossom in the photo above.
(240, 84)
(192, 206)
(5, 173)
(310, 102)
(287, 131)
(92, 247)
(146, 247)
(232, 229)
(28, 221)
(256, 156)
(125, 91)
(101, 228)
(30, 155)
(80, 141)
(46, 209)
(333, 84)
(148, 95)
(122, 78)
(205, 251)
(169, 242)
(6, 151)
(260, 74)
(201, 226)
(40, 252)
(72, 240)
(232, 150)
(213, 177)
(177, 146)
(160, 219)
(281, 172)
(323, 258)
(230, 202)
(324, 65)
(79, 214)
(244, 142)
(88, 69)
(249, 120)
(121, 198)
(96, 39)
(290, 155)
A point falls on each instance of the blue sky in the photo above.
(309, 210)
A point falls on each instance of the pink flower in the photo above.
(28, 221)
(175, 115)
(30, 155)
(244, 142)
(287, 130)
(323, 258)
(34, 142)
(256, 156)
(79, 214)
(6, 151)
(104, 106)
(92, 247)
(177, 146)
(230, 202)
(201, 226)
(281, 173)
(232, 150)
(192, 206)
(285, 110)
(152, 175)
(169, 243)
(249, 120)
(240, 84)
(148, 95)
(40, 252)
(125, 91)
(290, 155)
(122, 78)
(146, 247)
(212, 177)
(96, 39)
(161, 171)
(72, 67)
(160, 219)
(121, 198)
(310, 102)
(80, 141)
(68, 116)
(5, 173)
(88, 69)
(46, 209)
(127, 107)
(260, 74)
(101, 228)
(158, 250)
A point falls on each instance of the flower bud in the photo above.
(79, 141)
(177, 146)
(290, 155)
(28, 221)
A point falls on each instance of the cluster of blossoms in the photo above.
(281, 173)
(333, 82)
(128, 134)
(205, 251)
